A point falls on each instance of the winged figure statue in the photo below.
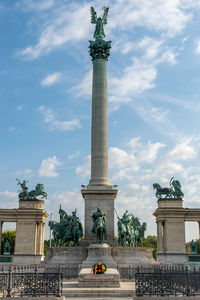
(99, 33)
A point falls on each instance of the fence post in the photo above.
(162, 284)
(188, 289)
(9, 282)
(139, 291)
(35, 282)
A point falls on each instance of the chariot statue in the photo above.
(173, 191)
(99, 224)
(32, 195)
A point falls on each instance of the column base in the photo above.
(25, 259)
(172, 258)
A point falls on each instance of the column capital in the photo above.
(99, 49)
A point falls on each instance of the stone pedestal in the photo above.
(105, 196)
(99, 253)
(110, 279)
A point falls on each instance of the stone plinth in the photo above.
(37, 204)
(99, 253)
(170, 203)
(105, 196)
(66, 256)
(110, 279)
(133, 257)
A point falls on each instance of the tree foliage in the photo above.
(151, 242)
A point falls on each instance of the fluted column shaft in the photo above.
(99, 145)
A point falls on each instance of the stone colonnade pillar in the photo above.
(30, 232)
(170, 218)
(159, 237)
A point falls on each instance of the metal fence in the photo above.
(168, 281)
(19, 282)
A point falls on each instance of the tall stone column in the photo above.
(99, 145)
(99, 189)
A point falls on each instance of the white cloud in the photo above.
(51, 79)
(19, 107)
(74, 155)
(183, 150)
(84, 169)
(48, 167)
(70, 21)
(197, 49)
(11, 129)
(67, 22)
(54, 124)
(26, 172)
(37, 5)
(8, 199)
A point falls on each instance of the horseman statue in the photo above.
(69, 231)
(99, 226)
(130, 231)
(32, 195)
(174, 191)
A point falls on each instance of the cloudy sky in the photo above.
(153, 90)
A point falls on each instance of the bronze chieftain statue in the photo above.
(67, 232)
(174, 191)
(99, 226)
(130, 231)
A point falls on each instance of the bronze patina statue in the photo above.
(174, 191)
(130, 231)
(99, 48)
(67, 232)
(32, 195)
(99, 33)
(99, 226)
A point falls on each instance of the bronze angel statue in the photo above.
(99, 33)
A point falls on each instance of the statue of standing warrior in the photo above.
(99, 226)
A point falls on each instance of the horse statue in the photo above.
(57, 232)
(38, 191)
(121, 234)
(162, 191)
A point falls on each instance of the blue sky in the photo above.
(153, 89)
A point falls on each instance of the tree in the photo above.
(151, 241)
(10, 236)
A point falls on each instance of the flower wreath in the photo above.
(99, 268)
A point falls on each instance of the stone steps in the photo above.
(71, 290)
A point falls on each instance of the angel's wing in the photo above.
(93, 16)
(104, 19)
